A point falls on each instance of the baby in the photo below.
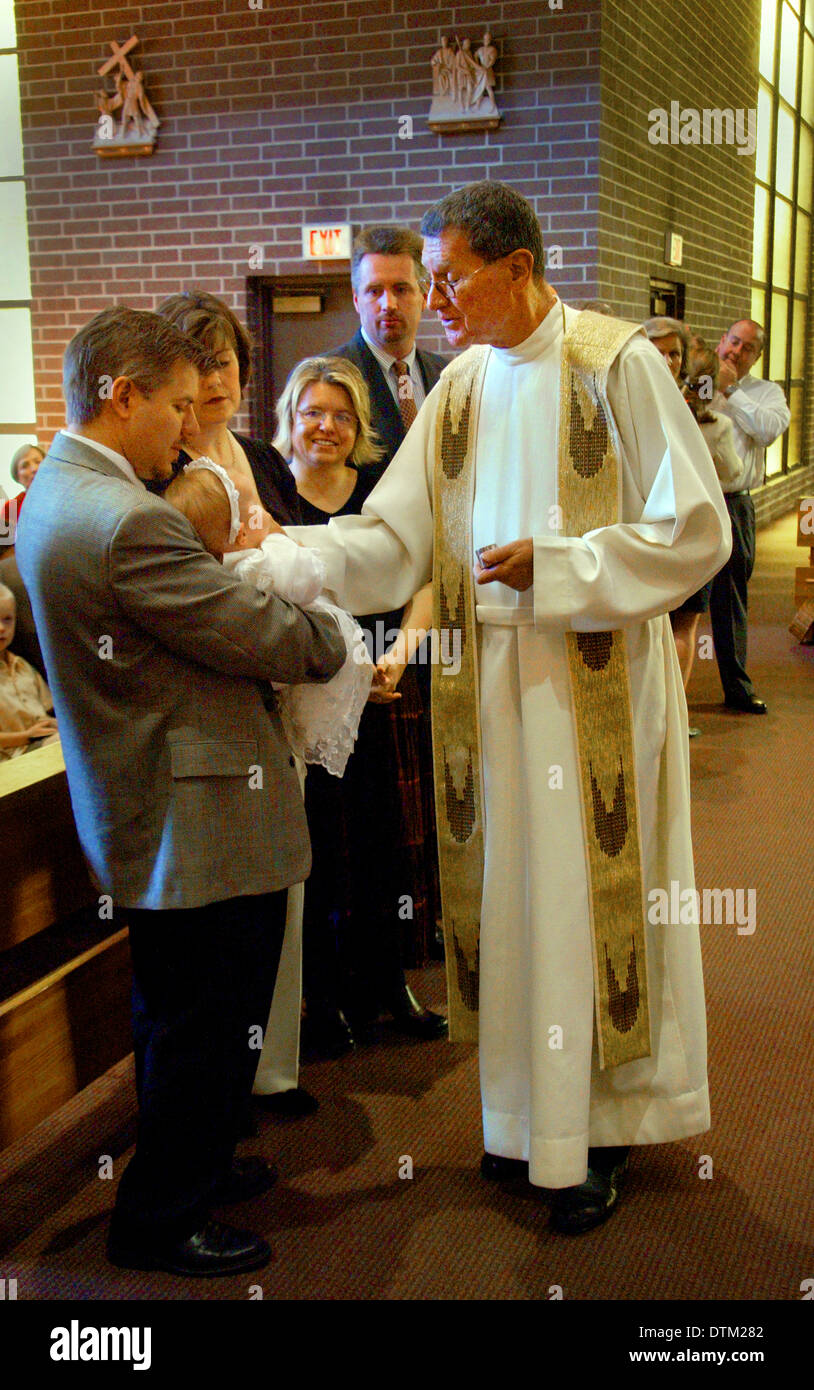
(321, 721)
(26, 707)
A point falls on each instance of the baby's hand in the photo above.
(386, 676)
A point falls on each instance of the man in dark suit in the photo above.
(185, 796)
(389, 294)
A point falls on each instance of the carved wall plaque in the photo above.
(127, 123)
(463, 85)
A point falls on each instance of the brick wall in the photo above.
(277, 116)
(653, 54)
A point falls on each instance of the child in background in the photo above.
(321, 721)
(26, 720)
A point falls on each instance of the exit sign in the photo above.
(326, 243)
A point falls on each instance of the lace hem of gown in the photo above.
(321, 721)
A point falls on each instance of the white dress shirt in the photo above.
(759, 414)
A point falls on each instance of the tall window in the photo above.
(17, 408)
(783, 196)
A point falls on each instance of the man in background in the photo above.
(759, 415)
(390, 294)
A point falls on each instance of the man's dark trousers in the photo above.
(203, 979)
(728, 600)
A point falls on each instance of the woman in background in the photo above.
(362, 826)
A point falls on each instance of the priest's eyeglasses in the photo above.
(451, 288)
(341, 418)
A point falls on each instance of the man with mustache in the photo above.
(390, 294)
(759, 415)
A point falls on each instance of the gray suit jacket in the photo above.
(182, 784)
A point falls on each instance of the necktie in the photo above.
(407, 405)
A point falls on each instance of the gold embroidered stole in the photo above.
(588, 498)
(589, 489)
(455, 708)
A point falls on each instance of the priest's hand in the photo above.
(511, 564)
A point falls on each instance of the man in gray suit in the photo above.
(185, 796)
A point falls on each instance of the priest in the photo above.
(560, 495)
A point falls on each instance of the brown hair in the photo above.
(703, 367)
(122, 342)
(208, 320)
(388, 241)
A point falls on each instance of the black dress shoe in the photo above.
(213, 1250)
(747, 704)
(290, 1104)
(575, 1210)
(412, 1018)
(497, 1169)
(327, 1034)
(248, 1177)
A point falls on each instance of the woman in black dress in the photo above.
(367, 880)
(212, 323)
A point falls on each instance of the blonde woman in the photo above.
(365, 829)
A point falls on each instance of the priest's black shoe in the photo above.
(214, 1250)
(497, 1169)
(249, 1177)
(412, 1018)
(747, 704)
(290, 1104)
(575, 1210)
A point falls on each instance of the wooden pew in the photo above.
(64, 969)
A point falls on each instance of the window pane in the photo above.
(789, 39)
(760, 246)
(798, 339)
(17, 376)
(807, 94)
(785, 151)
(796, 408)
(781, 260)
(768, 10)
(804, 189)
(14, 279)
(777, 346)
(774, 458)
(11, 137)
(765, 134)
(8, 33)
(758, 307)
(801, 251)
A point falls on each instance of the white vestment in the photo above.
(544, 1097)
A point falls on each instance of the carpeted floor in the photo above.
(343, 1222)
